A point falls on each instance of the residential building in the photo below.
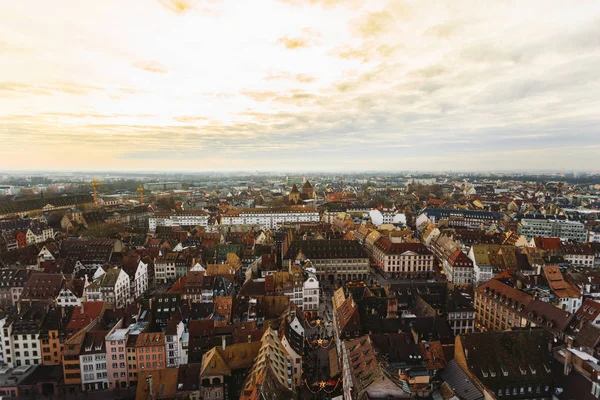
(567, 295)
(491, 259)
(507, 365)
(38, 233)
(271, 374)
(12, 282)
(461, 312)
(53, 334)
(116, 358)
(42, 287)
(92, 359)
(178, 218)
(174, 336)
(459, 269)
(403, 259)
(164, 268)
(580, 255)
(366, 376)
(150, 351)
(500, 307)
(333, 259)
(563, 229)
(471, 219)
(21, 335)
(269, 217)
(71, 293)
(112, 287)
(590, 310)
(224, 369)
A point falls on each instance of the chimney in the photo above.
(249, 338)
(223, 342)
(82, 310)
(19, 307)
(567, 366)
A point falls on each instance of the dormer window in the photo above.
(532, 369)
(523, 370)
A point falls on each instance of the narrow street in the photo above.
(320, 341)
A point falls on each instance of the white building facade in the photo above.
(270, 218)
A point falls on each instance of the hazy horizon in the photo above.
(195, 86)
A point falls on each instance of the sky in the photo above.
(271, 85)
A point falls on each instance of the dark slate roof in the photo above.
(38, 204)
(438, 213)
(326, 249)
(455, 377)
(502, 359)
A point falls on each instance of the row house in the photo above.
(271, 372)
(403, 259)
(164, 268)
(138, 273)
(112, 287)
(457, 267)
(470, 219)
(359, 359)
(225, 367)
(39, 233)
(580, 255)
(91, 254)
(71, 293)
(501, 307)
(12, 282)
(567, 296)
(53, 333)
(461, 312)
(507, 365)
(150, 351)
(42, 287)
(116, 358)
(92, 359)
(491, 259)
(21, 335)
(174, 337)
(292, 335)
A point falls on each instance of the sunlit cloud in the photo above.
(150, 66)
(315, 84)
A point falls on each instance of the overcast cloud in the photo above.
(285, 84)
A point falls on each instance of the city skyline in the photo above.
(318, 85)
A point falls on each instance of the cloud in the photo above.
(150, 66)
(179, 6)
(323, 3)
(444, 30)
(387, 84)
(300, 78)
(294, 42)
(49, 89)
(7, 47)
